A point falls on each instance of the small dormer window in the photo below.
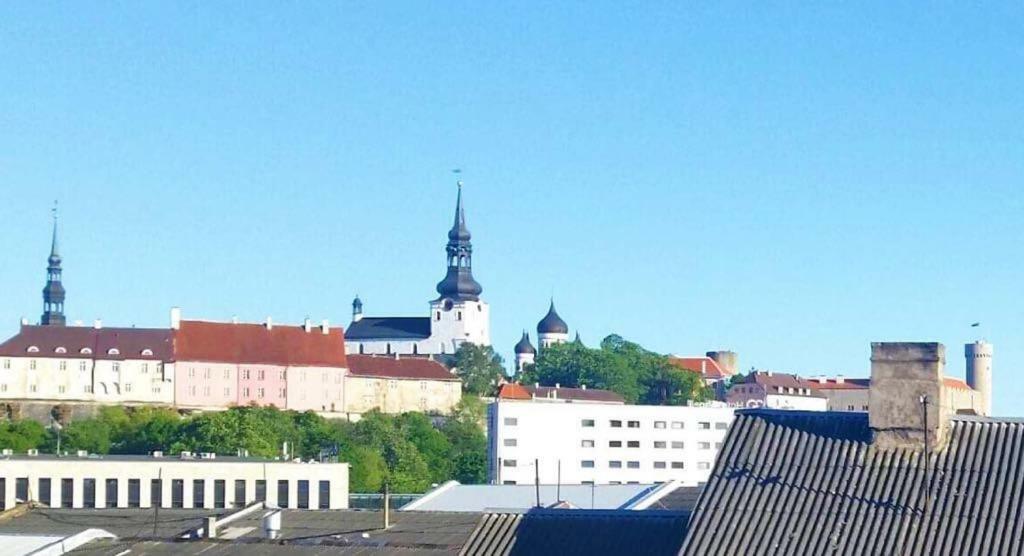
(147, 351)
(60, 349)
(85, 351)
(113, 351)
(33, 349)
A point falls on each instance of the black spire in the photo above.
(524, 345)
(53, 293)
(552, 323)
(458, 284)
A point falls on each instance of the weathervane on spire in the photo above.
(457, 172)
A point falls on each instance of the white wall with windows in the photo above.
(170, 482)
(603, 444)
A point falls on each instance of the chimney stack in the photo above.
(97, 324)
(307, 325)
(979, 373)
(175, 318)
(270, 323)
(325, 327)
(902, 373)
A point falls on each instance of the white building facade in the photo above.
(181, 481)
(603, 443)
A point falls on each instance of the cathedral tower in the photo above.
(53, 293)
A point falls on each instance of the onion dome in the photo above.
(552, 323)
(524, 345)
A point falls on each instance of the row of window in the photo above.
(618, 464)
(617, 424)
(657, 444)
(87, 388)
(83, 366)
(44, 493)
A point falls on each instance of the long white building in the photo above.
(180, 481)
(589, 441)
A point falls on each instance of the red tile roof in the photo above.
(286, 345)
(416, 368)
(574, 394)
(513, 391)
(125, 343)
(955, 383)
(704, 366)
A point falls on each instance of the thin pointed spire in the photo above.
(54, 247)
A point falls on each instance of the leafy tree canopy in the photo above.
(639, 375)
(479, 367)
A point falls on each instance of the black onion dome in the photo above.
(552, 323)
(459, 285)
(524, 345)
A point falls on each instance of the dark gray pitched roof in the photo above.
(793, 482)
(583, 532)
(389, 328)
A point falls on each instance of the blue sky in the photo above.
(788, 181)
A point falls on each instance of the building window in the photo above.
(508, 463)
(259, 393)
(586, 443)
(678, 465)
(62, 389)
(219, 494)
(659, 444)
(227, 391)
(458, 315)
(127, 387)
(89, 493)
(704, 425)
(245, 374)
(240, 501)
(588, 423)
(281, 392)
(677, 424)
(615, 424)
(81, 366)
(145, 368)
(511, 421)
(227, 373)
(88, 388)
(659, 424)
(677, 445)
(863, 408)
(31, 364)
(703, 465)
(191, 372)
(393, 384)
(260, 375)
(303, 488)
(206, 391)
(63, 365)
(849, 407)
(633, 424)
(721, 426)
(614, 443)
(633, 464)
(134, 493)
(7, 363)
(198, 493)
(282, 493)
(423, 385)
(245, 392)
(633, 444)
(659, 465)
(156, 494)
(615, 464)
(261, 490)
(587, 464)
(510, 442)
(718, 445)
(33, 388)
(3, 387)
(177, 493)
(703, 445)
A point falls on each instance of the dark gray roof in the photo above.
(389, 328)
(794, 482)
(582, 532)
(552, 323)
(129, 523)
(682, 498)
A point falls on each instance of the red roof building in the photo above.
(518, 392)
(706, 367)
(391, 367)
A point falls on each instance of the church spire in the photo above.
(458, 283)
(53, 292)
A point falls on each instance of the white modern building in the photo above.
(181, 481)
(458, 315)
(603, 443)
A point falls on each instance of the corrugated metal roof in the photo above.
(790, 482)
(578, 532)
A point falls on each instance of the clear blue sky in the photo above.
(789, 181)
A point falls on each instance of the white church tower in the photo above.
(459, 315)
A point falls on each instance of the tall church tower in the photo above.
(53, 293)
(459, 315)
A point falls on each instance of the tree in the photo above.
(92, 435)
(479, 367)
(21, 435)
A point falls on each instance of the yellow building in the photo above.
(396, 384)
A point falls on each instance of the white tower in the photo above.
(979, 372)
(552, 329)
(459, 315)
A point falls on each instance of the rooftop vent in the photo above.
(82, 453)
(158, 454)
(207, 455)
(32, 452)
(186, 455)
(7, 452)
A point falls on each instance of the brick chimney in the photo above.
(901, 373)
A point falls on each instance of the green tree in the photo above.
(479, 367)
(366, 468)
(92, 435)
(21, 435)
(464, 430)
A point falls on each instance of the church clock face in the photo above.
(448, 304)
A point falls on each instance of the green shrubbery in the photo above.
(406, 450)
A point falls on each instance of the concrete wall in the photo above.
(363, 394)
(145, 469)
